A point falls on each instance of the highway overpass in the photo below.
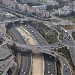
(16, 20)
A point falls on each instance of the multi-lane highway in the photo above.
(25, 56)
(47, 63)
(64, 61)
(42, 41)
(33, 31)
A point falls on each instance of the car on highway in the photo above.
(58, 43)
(25, 25)
(65, 70)
(48, 72)
(52, 52)
(64, 65)
(51, 47)
(67, 67)
(24, 72)
(49, 64)
(32, 31)
(45, 46)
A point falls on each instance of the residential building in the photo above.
(32, 1)
(41, 7)
(6, 60)
(52, 2)
(64, 11)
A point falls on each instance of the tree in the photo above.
(14, 49)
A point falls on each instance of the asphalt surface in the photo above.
(64, 60)
(54, 45)
(49, 65)
(62, 42)
(37, 36)
(25, 56)
(66, 70)
(42, 41)
(70, 43)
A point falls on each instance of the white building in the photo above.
(6, 2)
(64, 11)
(32, 1)
(9, 2)
(52, 2)
(73, 6)
(41, 7)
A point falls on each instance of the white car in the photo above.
(24, 72)
(32, 31)
(49, 64)
(67, 67)
(25, 25)
(45, 46)
(64, 64)
(48, 72)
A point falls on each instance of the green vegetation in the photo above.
(58, 65)
(73, 34)
(60, 32)
(67, 55)
(49, 34)
(70, 17)
(1, 40)
(61, 36)
(10, 34)
(14, 49)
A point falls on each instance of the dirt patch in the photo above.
(67, 27)
(37, 67)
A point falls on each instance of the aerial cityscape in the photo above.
(37, 37)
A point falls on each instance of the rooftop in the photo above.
(4, 53)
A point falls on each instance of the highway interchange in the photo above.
(42, 41)
(45, 43)
(65, 73)
(51, 70)
(64, 62)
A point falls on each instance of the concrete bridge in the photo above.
(38, 48)
(16, 19)
(35, 48)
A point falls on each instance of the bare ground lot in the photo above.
(37, 68)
